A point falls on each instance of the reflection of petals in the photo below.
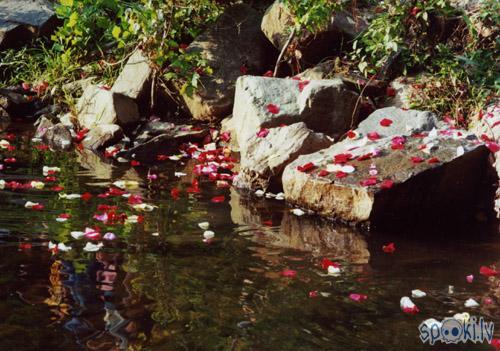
(109, 236)
(417, 293)
(471, 303)
(89, 247)
(204, 225)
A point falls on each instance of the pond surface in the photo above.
(159, 286)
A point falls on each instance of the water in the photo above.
(172, 291)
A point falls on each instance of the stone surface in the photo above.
(404, 122)
(326, 106)
(422, 191)
(166, 144)
(403, 92)
(264, 158)
(134, 79)
(152, 129)
(58, 137)
(234, 45)
(102, 135)
(18, 102)
(488, 126)
(22, 20)
(100, 106)
(278, 22)
(42, 126)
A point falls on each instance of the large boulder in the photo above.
(134, 79)
(22, 20)
(278, 22)
(266, 156)
(233, 46)
(100, 106)
(487, 127)
(325, 106)
(102, 136)
(398, 168)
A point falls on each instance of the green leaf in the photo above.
(116, 32)
(68, 3)
(72, 19)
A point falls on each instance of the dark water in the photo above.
(172, 291)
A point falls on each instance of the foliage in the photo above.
(157, 26)
(97, 36)
(462, 65)
(312, 14)
(402, 29)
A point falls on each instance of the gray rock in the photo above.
(489, 125)
(99, 106)
(166, 144)
(4, 119)
(153, 128)
(22, 20)
(278, 22)
(404, 122)
(233, 43)
(134, 79)
(101, 136)
(58, 137)
(326, 106)
(264, 158)
(422, 192)
(43, 124)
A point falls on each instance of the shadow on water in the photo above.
(160, 287)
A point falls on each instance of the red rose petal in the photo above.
(272, 108)
(389, 248)
(289, 273)
(416, 159)
(488, 272)
(385, 122)
(386, 184)
(373, 136)
(307, 167)
(218, 199)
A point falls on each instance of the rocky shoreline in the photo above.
(339, 145)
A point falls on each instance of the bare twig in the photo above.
(359, 99)
(280, 57)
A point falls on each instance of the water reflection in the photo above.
(287, 231)
(160, 287)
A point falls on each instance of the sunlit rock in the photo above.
(325, 106)
(263, 159)
(418, 175)
(233, 46)
(100, 106)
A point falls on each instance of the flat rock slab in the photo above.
(232, 46)
(325, 106)
(433, 175)
(21, 20)
(266, 156)
(164, 144)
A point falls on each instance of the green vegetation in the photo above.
(431, 37)
(97, 36)
(453, 55)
